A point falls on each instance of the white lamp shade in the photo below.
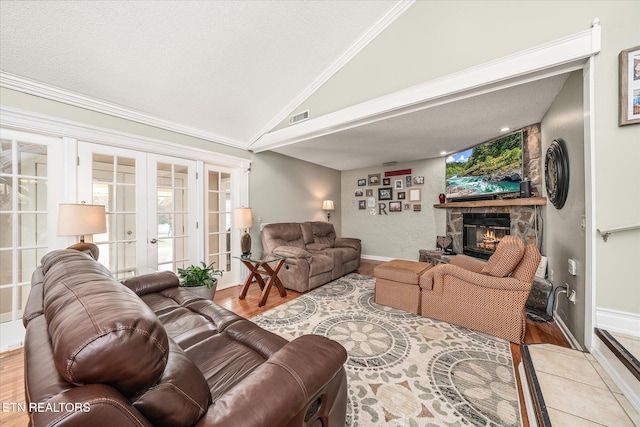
(327, 205)
(242, 218)
(81, 219)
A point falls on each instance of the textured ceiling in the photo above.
(229, 71)
(223, 68)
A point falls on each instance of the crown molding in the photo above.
(43, 90)
(557, 57)
(356, 47)
(16, 118)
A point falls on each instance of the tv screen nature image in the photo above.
(491, 167)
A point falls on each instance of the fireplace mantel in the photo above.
(531, 201)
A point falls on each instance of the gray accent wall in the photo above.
(284, 189)
(397, 234)
(564, 238)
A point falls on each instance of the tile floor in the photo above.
(577, 391)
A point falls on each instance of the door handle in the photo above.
(153, 241)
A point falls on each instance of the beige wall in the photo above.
(283, 189)
(564, 238)
(398, 234)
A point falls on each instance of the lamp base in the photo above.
(245, 244)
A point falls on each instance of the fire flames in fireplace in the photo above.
(483, 231)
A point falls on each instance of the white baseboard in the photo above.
(618, 321)
(566, 332)
(376, 258)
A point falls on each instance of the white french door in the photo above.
(151, 208)
(31, 175)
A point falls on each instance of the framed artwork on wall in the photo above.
(362, 204)
(374, 179)
(362, 182)
(398, 184)
(371, 202)
(401, 195)
(414, 195)
(407, 206)
(369, 192)
(407, 181)
(395, 206)
(358, 192)
(629, 86)
(385, 193)
(418, 180)
(386, 181)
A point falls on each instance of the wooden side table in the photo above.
(259, 266)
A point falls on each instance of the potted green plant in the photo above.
(200, 279)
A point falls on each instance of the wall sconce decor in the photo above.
(327, 205)
(243, 220)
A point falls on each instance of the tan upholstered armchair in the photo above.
(484, 296)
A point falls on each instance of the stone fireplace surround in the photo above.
(526, 220)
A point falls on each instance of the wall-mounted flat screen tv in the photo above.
(489, 168)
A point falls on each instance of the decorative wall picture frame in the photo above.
(358, 192)
(386, 181)
(408, 181)
(368, 192)
(385, 193)
(629, 86)
(371, 202)
(418, 180)
(407, 206)
(414, 195)
(362, 204)
(417, 207)
(398, 184)
(362, 182)
(402, 195)
(374, 179)
(395, 206)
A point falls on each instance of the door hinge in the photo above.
(197, 225)
(196, 175)
(78, 161)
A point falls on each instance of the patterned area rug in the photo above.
(404, 369)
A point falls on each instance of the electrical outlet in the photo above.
(551, 275)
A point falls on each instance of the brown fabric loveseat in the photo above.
(147, 352)
(317, 255)
(485, 296)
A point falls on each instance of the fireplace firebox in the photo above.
(481, 233)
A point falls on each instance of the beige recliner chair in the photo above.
(485, 296)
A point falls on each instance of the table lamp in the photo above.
(81, 219)
(243, 219)
(327, 205)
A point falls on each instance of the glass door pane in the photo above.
(173, 242)
(218, 210)
(116, 179)
(29, 170)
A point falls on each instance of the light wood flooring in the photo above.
(12, 364)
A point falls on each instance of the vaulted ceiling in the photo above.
(230, 71)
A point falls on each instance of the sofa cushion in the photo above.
(154, 282)
(320, 264)
(323, 232)
(181, 396)
(317, 246)
(506, 257)
(282, 234)
(291, 251)
(526, 270)
(95, 325)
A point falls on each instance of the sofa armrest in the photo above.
(477, 279)
(468, 263)
(291, 251)
(347, 242)
(154, 282)
(282, 387)
(89, 405)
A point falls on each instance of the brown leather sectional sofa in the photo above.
(147, 352)
(317, 256)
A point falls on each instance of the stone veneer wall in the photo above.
(526, 221)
